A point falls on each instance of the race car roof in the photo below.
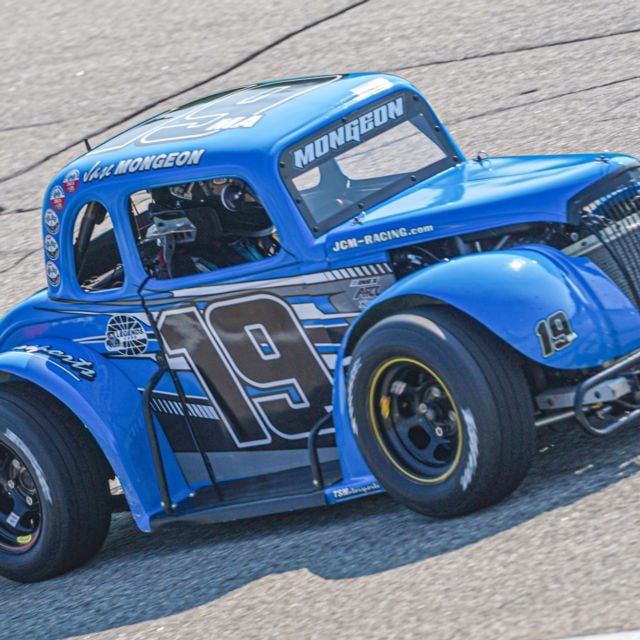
(260, 118)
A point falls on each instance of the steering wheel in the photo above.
(232, 196)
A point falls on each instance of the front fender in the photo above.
(510, 292)
(110, 406)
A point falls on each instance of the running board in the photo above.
(239, 511)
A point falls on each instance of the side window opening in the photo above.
(97, 257)
(200, 227)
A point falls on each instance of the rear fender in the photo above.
(110, 406)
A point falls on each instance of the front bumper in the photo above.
(628, 365)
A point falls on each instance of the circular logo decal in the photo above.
(57, 198)
(126, 336)
(51, 221)
(51, 247)
(70, 182)
(53, 274)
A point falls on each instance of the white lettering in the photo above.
(396, 108)
(123, 166)
(321, 146)
(351, 131)
(171, 158)
(135, 164)
(336, 138)
(380, 116)
(366, 122)
(302, 157)
(183, 158)
(249, 122)
(195, 156)
(158, 163)
(146, 163)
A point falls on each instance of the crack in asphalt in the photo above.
(154, 103)
(250, 57)
(21, 259)
(8, 212)
(491, 112)
(33, 125)
(529, 47)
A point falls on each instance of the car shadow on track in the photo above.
(141, 577)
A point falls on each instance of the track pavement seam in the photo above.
(556, 96)
(475, 116)
(154, 103)
(275, 43)
(530, 47)
(21, 259)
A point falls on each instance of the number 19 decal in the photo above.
(555, 333)
(255, 362)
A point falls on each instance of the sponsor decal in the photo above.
(555, 333)
(57, 198)
(350, 492)
(53, 274)
(474, 449)
(367, 289)
(51, 221)
(139, 164)
(71, 180)
(365, 282)
(13, 519)
(51, 247)
(351, 131)
(380, 236)
(352, 378)
(126, 335)
(398, 387)
(83, 367)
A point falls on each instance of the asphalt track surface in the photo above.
(559, 558)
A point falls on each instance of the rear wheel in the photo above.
(442, 412)
(54, 494)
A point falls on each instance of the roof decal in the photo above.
(239, 109)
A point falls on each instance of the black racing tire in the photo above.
(441, 410)
(70, 477)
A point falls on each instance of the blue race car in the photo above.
(299, 293)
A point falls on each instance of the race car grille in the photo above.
(613, 244)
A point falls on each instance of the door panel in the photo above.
(259, 363)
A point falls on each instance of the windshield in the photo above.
(364, 159)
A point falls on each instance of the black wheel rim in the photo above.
(415, 420)
(20, 507)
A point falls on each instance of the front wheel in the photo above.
(442, 412)
(54, 493)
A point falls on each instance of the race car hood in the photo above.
(477, 195)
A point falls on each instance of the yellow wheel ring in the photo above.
(376, 427)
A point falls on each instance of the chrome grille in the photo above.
(612, 222)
